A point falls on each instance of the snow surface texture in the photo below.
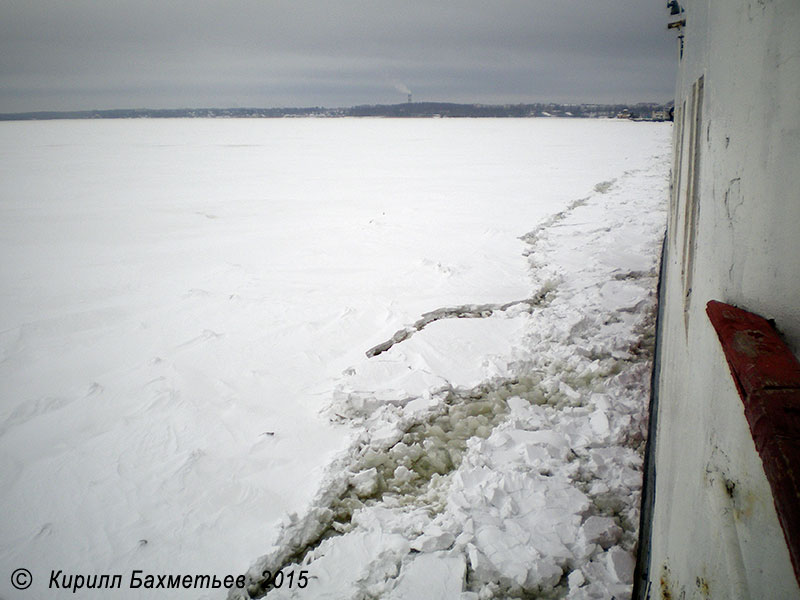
(186, 308)
(527, 485)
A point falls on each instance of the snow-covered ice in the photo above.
(187, 308)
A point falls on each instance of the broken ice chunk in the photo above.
(518, 406)
(365, 483)
(620, 565)
(432, 576)
(386, 435)
(568, 391)
(576, 579)
(433, 539)
(599, 424)
(402, 474)
(601, 530)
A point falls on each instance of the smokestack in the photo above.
(409, 98)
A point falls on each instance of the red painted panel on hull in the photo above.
(767, 376)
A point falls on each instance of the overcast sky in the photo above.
(95, 54)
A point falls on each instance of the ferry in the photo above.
(721, 499)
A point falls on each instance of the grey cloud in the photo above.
(119, 53)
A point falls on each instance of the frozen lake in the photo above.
(181, 299)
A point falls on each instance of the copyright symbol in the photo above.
(21, 579)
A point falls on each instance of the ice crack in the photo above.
(465, 311)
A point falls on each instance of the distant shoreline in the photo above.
(641, 111)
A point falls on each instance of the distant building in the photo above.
(660, 115)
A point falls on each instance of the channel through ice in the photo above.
(408, 357)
